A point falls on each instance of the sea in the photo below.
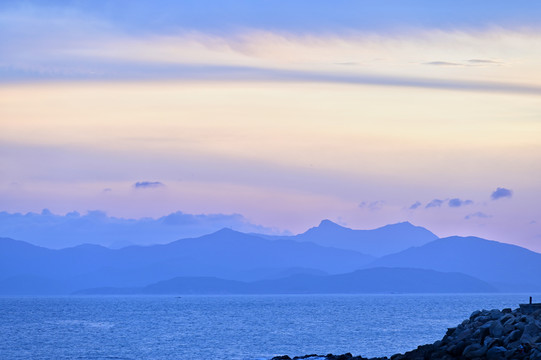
(231, 327)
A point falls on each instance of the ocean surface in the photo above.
(230, 327)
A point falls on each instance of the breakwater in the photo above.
(488, 334)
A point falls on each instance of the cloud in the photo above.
(442, 63)
(484, 62)
(415, 205)
(42, 43)
(456, 202)
(471, 63)
(478, 214)
(501, 193)
(147, 184)
(96, 227)
(372, 206)
(434, 203)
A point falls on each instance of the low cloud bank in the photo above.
(96, 227)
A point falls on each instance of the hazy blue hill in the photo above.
(377, 242)
(198, 285)
(31, 285)
(19, 257)
(511, 267)
(376, 280)
(226, 253)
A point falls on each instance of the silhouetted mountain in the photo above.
(226, 253)
(377, 280)
(377, 242)
(510, 267)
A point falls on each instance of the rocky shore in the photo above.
(487, 334)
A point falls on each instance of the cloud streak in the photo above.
(479, 215)
(148, 185)
(44, 44)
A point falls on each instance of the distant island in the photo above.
(487, 334)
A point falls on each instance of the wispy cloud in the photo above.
(458, 202)
(372, 205)
(485, 62)
(41, 43)
(478, 214)
(415, 205)
(442, 63)
(434, 203)
(148, 184)
(500, 193)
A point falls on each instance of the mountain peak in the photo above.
(225, 230)
(403, 224)
(326, 223)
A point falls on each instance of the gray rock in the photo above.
(535, 354)
(506, 318)
(464, 334)
(511, 321)
(514, 336)
(509, 328)
(494, 314)
(530, 334)
(496, 330)
(496, 353)
(474, 351)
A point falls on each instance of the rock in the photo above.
(494, 314)
(496, 353)
(535, 354)
(506, 318)
(486, 335)
(530, 334)
(346, 356)
(283, 357)
(514, 336)
(474, 350)
(496, 329)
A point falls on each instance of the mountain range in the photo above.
(385, 240)
(232, 262)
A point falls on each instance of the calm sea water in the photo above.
(230, 327)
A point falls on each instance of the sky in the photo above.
(283, 113)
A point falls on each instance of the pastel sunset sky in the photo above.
(287, 112)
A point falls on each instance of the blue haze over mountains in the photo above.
(329, 258)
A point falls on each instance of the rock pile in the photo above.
(487, 334)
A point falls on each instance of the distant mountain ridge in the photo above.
(225, 253)
(230, 256)
(377, 242)
(511, 267)
(376, 280)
